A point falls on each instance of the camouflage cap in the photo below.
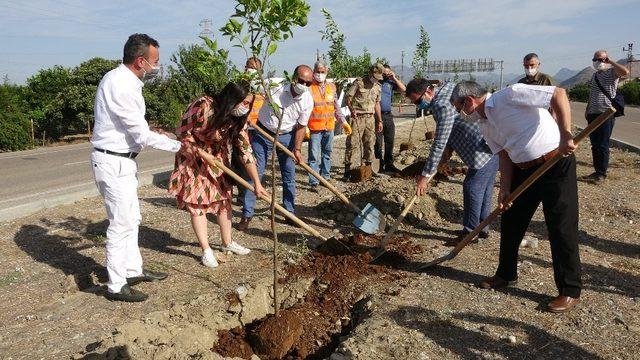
(376, 70)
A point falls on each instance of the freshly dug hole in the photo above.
(311, 328)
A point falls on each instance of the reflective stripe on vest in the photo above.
(323, 114)
(258, 101)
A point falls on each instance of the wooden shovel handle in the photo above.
(405, 211)
(531, 179)
(213, 162)
(322, 180)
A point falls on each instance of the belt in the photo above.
(386, 112)
(261, 126)
(541, 160)
(130, 155)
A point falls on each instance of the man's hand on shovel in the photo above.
(259, 190)
(422, 183)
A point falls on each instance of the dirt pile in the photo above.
(312, 328)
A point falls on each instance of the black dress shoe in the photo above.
(147, 275)
(391, 169)
(127, 294)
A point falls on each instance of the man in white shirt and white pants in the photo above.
(296, 103)
(120, 132)
(517, 125)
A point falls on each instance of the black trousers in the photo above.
(557, 189)
(387, 137)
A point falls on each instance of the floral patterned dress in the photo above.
(198, 187)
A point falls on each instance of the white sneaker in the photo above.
(208, 259)
(236, 248)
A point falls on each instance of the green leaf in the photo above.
(272, 49)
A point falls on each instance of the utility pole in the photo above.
(205, 25)
(402, 65)
(630, 59)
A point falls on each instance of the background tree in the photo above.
(421, 53)
(342, 65)
(257, 26)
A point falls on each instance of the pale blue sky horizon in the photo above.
(43, 33)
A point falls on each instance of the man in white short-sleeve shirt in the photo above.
(517, 125)
(296, 102)
(120, 132)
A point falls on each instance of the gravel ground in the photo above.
(51, 275)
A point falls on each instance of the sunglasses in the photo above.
(306, 83)
(601, 60)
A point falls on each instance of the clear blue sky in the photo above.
(37, 34)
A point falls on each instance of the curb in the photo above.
(619, 144)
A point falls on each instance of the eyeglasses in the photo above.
(306, 83)
(420, 98)
(600, 60)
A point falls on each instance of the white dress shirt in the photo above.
(119, 111)
(296, 110)
(518, 121)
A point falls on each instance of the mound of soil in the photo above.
(311, 328)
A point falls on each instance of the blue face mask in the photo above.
(424, 104)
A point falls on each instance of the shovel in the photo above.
(213, 162)
(369, 219)
(519, 190)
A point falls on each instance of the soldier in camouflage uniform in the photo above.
(363, 100)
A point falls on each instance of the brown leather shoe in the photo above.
(563, 304)
(495, 282)
(243, 225)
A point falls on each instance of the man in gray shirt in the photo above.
(608, 72)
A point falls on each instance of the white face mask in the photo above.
(600, 65)
(530, 71)
(239, 111)
(152, 73)
(300, 89)
(473, 117)
(320, 77)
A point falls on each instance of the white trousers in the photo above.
(117, 182)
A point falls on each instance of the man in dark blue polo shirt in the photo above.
(390, 83)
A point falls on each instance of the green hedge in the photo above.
(15, 132)
(580, 92)
(630, 91)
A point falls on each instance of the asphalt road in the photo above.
(47, 177)
(626, 129)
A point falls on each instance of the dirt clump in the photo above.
(277, 334)
(232, 343)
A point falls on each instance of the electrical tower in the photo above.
(630, 58)
(205, 25)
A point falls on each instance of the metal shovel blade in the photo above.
(370, 220)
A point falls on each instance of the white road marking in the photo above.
(77, 162)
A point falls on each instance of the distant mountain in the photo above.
(564, 74)
(580, 78)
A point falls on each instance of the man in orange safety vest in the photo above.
(326, 110)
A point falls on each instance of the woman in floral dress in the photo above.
(215, 124)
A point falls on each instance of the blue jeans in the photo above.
(262, 152)
(477, 190)
(600, 144)
(320, 147)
